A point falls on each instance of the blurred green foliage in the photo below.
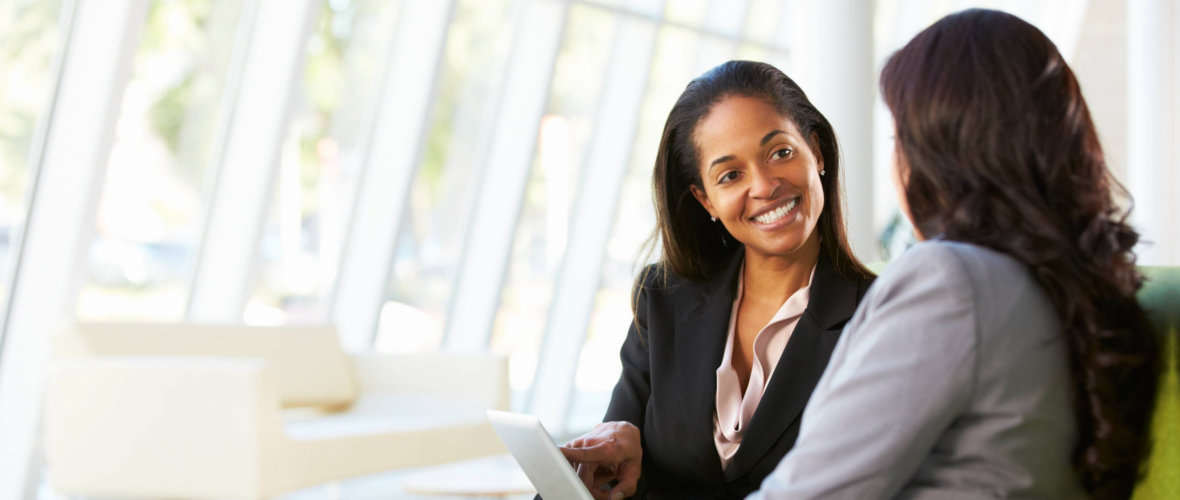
(29, 39)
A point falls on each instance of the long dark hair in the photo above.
(693, 246)
(1001, 152)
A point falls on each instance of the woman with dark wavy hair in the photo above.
(734, 325)
(1006, 355)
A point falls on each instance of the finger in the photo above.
(586, 474)
(579, 455)
(573, 463)
(628, 476)
(575, 455)
(571, 453)
(603, 477)
(598, 453)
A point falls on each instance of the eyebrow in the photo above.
(765, 139)
(719, 161)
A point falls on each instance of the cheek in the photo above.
(899, 182)
(899, 188)
(817, 197)
(731, 207)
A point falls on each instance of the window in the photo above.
(148, 221)
(321, 162)
(554, 181)
(29, 40)
(458, 139)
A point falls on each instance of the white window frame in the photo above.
(227, 262)
(93, 68)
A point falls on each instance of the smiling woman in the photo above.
(763, 186)
(736, 322)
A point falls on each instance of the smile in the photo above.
(778, 213)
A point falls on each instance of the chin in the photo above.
(779, 250)
(783, 246)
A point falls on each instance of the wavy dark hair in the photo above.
(1000, 151)
(693, 246)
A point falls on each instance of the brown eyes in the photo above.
(781, 153)
(729, 176)
(778, 154)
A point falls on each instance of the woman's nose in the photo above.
(763, 185)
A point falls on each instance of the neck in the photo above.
(776, 277)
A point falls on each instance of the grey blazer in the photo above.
(951, 382)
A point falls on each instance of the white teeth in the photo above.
(776, 214)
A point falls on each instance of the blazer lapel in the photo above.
(833, 301)
(700, 340)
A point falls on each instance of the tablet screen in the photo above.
(538, 456)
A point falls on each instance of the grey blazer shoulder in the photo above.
(951, 381)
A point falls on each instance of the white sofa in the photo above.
(202, 411)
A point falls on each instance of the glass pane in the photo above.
(321, 162)
(541, 232)
(727, 17)
(29, 40)
(765, 22)
(711, 51)
(686, 12)
(148, 219)
(442, 196)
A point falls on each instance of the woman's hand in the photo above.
(611, 451)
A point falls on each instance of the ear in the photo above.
(703, 199)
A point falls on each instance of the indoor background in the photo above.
(426, 175)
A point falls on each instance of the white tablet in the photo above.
(537, 454)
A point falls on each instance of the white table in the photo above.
(490, 477)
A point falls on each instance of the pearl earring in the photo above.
(714, 219)
(822, 172)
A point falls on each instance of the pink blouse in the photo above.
(734, 410)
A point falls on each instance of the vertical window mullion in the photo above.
(481, 276)
(591, 220)
(228, 255)
(392, 157)
(94, 70)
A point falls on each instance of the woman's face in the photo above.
(761, 178)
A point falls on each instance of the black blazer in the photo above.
(668, 386)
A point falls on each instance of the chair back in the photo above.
(1160, 296)
(306, 362)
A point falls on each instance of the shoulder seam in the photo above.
(974, 308)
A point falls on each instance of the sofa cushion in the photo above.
(307, 363)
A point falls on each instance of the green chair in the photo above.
(1160, 295)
